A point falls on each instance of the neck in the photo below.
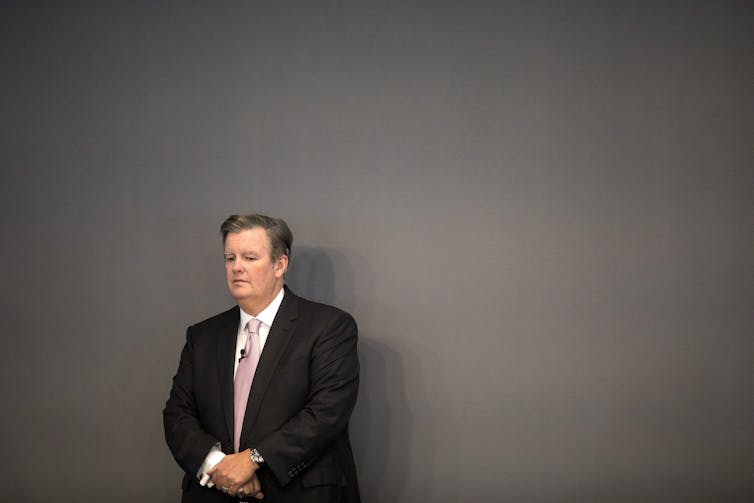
(256, 307)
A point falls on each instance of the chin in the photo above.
(239, 292)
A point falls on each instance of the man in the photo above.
(260, 403)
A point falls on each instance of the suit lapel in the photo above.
(280, 334)
(226, 354)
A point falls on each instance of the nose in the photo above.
(235, 266)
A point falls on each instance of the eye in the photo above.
(229, 258)
(250, 257)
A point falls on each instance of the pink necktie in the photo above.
(244, 376)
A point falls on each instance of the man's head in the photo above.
(257, 250)
(281, 237)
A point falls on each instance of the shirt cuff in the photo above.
(213, 457)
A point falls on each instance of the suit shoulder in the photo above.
(324, 311)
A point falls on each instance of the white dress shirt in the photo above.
(267, 317)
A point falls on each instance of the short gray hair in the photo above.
(281, 237)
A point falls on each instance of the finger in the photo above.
(255, 489)
(217, 466)
(218, 480)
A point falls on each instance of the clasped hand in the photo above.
(236, 475)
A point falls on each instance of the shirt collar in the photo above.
(267, 315)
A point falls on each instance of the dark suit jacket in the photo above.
(297, 415)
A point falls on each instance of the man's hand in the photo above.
(233, 472)
(251, 488)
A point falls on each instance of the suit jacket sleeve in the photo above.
(333, 385)
(185, 436)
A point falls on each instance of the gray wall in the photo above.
(539, 213)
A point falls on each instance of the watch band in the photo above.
(256, 457)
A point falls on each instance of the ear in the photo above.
(281, 265)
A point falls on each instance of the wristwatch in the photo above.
(256, 457)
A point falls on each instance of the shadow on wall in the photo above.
(312, 275)
(381, 425)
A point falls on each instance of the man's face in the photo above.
(253, 278)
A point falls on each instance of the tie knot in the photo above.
(253, 326)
